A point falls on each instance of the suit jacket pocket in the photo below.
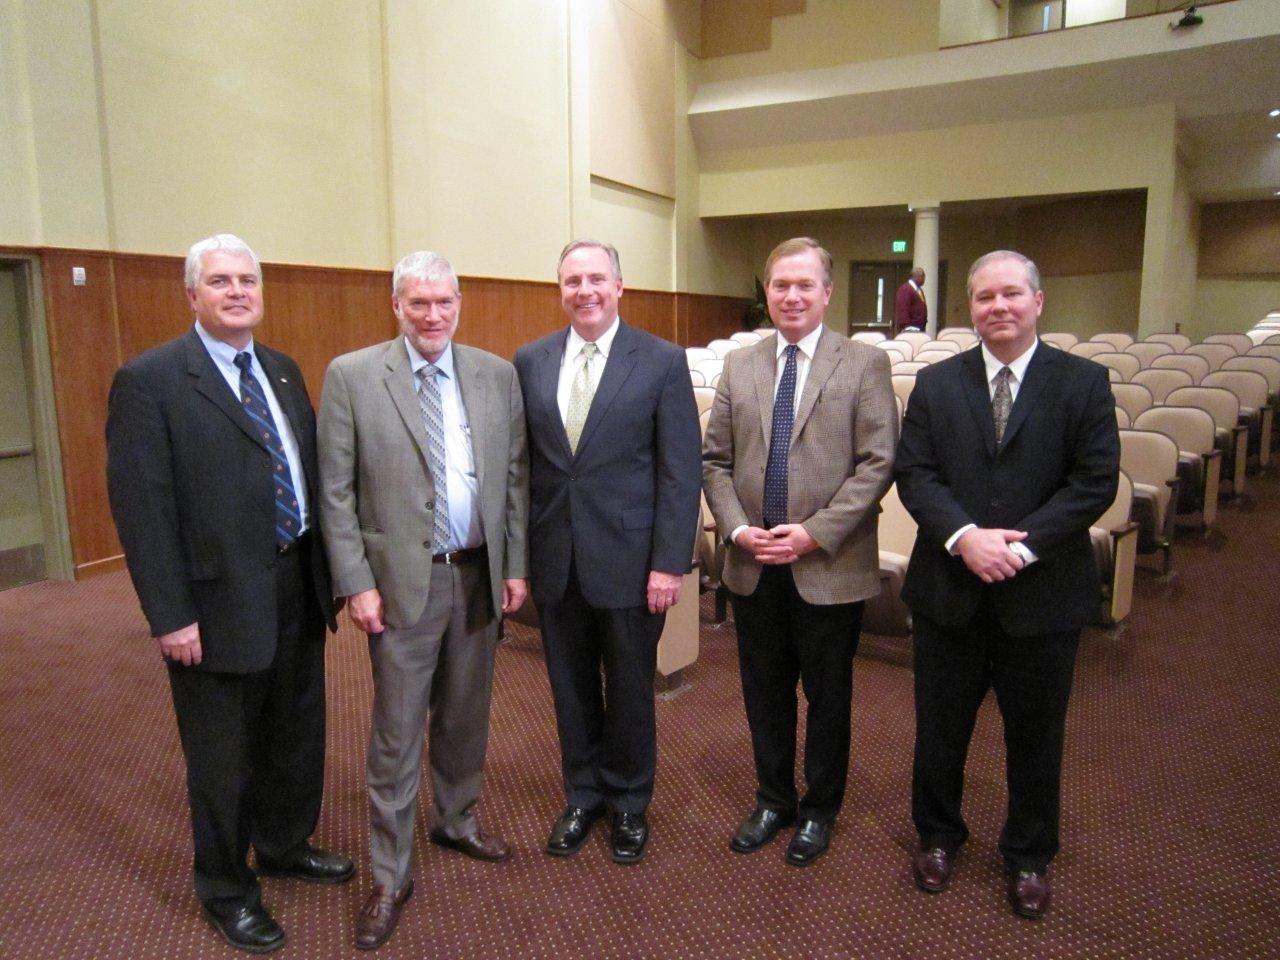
(638, 518)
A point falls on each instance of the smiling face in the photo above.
(589, 291)
(227, 297)
(428, 313)
(1004, 308)
(797, 295)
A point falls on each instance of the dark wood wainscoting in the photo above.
(131, 302)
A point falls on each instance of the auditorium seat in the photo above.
(917, 338)
(1151, 461)
(903, 346)
(1133, 397)
(1251, 390)
(1261, 334)
(1122, 418)
(1162, 382)
(1178, 341)
(868, 336)
(1115, 546)
(950, 346)
(1117, 341)
(1198, 367)
(1239, 342)
(895, 353)
(1146, 351)
(1063, 341)
(908, 367)
(903, 384)
(697, 379)
(930, 355)
(1271, 350)
(705, 397)
(1201, 461)
(1231, 435)
(695, 355)
(886, 614)
(1215, 353)
(961, 335)
(1126, 364)
(710, 368)
(1091, 348)
(722, 348)
(748, 337)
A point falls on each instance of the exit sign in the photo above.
(899, 246)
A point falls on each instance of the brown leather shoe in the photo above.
(932, 868)
(480, 845)
(1029, 893)
(379, 916)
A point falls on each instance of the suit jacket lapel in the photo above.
(210, 384)
(764, 366)
(978, 395)
(399, 381)
(475, 396)
(548, 380)
(825, 357)
(616, 370)
(1038, 372)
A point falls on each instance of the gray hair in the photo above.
(1033, 272)
(425, 266)
(592, 245)
(798, 245)
(219, 241)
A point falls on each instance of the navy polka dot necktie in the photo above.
(288, 518)
(775, 471)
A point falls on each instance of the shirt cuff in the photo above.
(733, 537)
(951, 540)
(1025, 552)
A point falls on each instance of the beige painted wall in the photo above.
(832, 32)
(970, 21)
(20, 211)
(1092, 303)
(1231, 304)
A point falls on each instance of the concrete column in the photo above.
(926, 255)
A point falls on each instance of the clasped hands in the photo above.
(987, 554)
(365, 607)
(785, 543)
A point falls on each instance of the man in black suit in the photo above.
(1009, 452)
(211, 470)
(614, 478)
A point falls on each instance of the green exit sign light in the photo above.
(899, 246)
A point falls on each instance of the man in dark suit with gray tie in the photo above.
(614, 483)
(1009, 452)
(211, 470)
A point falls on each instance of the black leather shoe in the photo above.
(570, 832)
(1029, 893)
(759, 828)
(310, 864)
(932, 867)
(808, 843)
(630, 837)
(249, 928)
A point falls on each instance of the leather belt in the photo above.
(467, 555)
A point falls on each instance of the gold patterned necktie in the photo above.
(1002, 402)
(580, 394)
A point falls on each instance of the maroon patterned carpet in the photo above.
(1170, 821)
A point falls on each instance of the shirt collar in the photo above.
(913, 283)
(1018, 366)
(604, 343)
(807, 344)
(220, 350)
(444, 364)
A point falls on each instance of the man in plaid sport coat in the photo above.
(797, 454)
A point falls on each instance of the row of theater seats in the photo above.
(1187, 437)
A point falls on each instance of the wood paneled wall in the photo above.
(131, 302)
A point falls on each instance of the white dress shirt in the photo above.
(462, 486)
(572, 362)
(1018, 371)
(224, 358)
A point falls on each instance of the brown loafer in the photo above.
(932, 868)
(480, 845)
(379, 916)
(1029, 893)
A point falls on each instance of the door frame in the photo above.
(33, 332)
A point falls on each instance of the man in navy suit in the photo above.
(1009, 452)
(211, 471)
(614, 478)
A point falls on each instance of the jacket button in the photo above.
(427, 544)
(995, 502)
(430, 504)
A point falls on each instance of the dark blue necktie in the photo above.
(288, 518)
(775, 471)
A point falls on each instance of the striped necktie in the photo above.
(288, 517)
(433, 418)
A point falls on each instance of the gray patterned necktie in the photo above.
(433, 418)
(580, 394)
(1002, 402)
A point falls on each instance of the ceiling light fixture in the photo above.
(1274, 113)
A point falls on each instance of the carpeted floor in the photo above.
(1170, 819)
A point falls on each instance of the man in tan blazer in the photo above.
(424, 502)
(797, 454)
